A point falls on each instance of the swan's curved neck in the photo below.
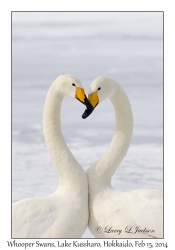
(108, 163)
(66, 165)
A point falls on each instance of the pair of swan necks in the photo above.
(70, 201)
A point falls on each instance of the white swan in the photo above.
(115, 214)
(63, 214)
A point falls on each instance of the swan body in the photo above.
(63, 214)
(114, 214)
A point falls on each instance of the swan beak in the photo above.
(93, 100)
(80, 95)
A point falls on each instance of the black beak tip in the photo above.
(87, 112)
(89, 108)
(84, 116)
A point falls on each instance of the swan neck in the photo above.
(109, 162)
(67, 167)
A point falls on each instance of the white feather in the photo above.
(112, 213)
(63, 214)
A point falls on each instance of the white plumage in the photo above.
(114, 214)
(63, 214)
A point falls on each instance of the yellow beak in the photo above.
(80, 95)
(93, 99)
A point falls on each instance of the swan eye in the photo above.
(73, 84)
(99, 88)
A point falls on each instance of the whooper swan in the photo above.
(114, 214)
(63, 214)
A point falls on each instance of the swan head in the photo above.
(100, 89)
(71, 86)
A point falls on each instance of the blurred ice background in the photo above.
(127, 46)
